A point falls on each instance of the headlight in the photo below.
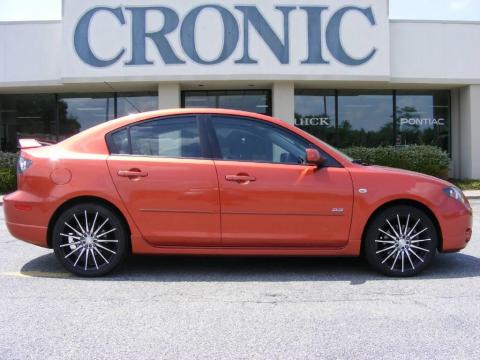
(455, 193)
(23, 164)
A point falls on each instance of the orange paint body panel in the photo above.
(221, 207)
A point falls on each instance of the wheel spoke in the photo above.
(106, 241)
(99, 228)
(71, 244)
(418, 241)
(410, 259)
(94, 221)
(419, 248)
(403, 260)
(413, 228)
(385, 241)
(86, 222)
(70, 253)
(391, 236)
(394, 231)
(94, 258)
(395, 261)
(386, 249)
(399, 225)
(99, 253)
(421, 232)
(406, 225)
(79, 256)
(106, 232)
(78, 222)
(71, 236)
(105, 248)
(76, 231)
(388, 257)
(86, 258)
(414, 253)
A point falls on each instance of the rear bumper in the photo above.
(26, 218)
(32, 234)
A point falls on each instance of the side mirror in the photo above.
(314, 158)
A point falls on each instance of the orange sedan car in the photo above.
(225, 182)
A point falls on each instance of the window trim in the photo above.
(198, 120)
(216, 152)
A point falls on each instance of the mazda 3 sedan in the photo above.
(225, 182)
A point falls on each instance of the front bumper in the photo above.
(456, 226)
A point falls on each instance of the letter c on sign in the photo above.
(81, 39)
(333, 36)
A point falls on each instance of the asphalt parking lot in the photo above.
(237, 308)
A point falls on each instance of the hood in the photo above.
(420, 176)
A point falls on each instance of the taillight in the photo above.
(23, 164)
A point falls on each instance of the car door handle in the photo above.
(240, 178)
(132, 173)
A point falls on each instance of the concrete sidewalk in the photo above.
(470, 194)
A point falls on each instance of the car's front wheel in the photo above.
(89, 239)
(401, 241)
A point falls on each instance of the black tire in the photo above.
(401, 254)
(92, 251)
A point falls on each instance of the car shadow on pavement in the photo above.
(238, 269)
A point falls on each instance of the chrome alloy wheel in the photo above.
(88, 240)
(402, 242)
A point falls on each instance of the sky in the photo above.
(18, 10)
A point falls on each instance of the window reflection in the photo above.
(26, 116)
(248, 100)
(315, 113)
(365, 118)
(77, 113)
(133, 103)
(423, 118)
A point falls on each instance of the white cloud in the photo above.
(459, 4)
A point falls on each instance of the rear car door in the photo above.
(269, 196)
(168, 184)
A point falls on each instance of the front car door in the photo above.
(269, 196)
(170, 188)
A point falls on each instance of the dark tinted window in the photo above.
(132, 103)
(365, 118)
(175, 137)
(248, 100)
(423, 117)
(26, 116)
(249, 140)
(315, 113)
(78, 112)
(118, 143)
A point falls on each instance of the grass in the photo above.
(467, 184)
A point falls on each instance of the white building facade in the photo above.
(338, 69)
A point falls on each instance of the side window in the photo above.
(173, 137)
(118, 142)
(249, 140)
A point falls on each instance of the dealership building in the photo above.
(339, 69)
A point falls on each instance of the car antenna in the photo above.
(124, 98)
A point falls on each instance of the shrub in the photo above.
(8, 180)
(8, 177)
(8, 160)
(426, 159)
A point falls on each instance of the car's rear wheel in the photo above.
(89, 239)
(401, 241)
